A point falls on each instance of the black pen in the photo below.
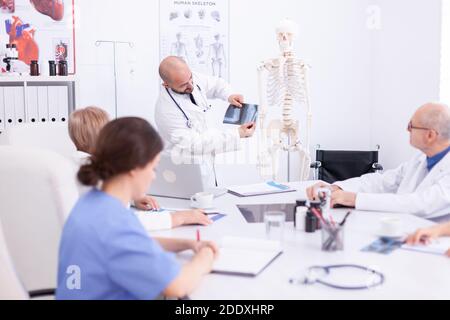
(345, 219)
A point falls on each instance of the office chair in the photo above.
(37, 192)
(331, 166)
(50, 136)
(12, 288)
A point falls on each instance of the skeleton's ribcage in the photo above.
(290, 82)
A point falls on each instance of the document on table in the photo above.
(155, 220)
(260, 189)
(162, 219)
(246, 257)
(437, 247)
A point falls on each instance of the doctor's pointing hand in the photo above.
(181, 115)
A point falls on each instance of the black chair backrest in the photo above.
(343, 165)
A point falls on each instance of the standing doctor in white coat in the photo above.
(420, 186)
(181, 117)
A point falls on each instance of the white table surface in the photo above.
(409, 275)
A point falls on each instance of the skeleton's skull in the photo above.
(286, 31)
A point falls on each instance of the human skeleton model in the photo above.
(218, 58)
(287, 85)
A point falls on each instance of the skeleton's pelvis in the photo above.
(277, 131)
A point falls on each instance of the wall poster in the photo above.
(41, 30)
(198, 32)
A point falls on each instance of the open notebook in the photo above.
(246, 257)
(437, 247)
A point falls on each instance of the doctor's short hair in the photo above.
(439, 120)
(123, 145)
(169, 64)
(85, 125)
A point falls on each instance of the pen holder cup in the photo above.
(332, 238)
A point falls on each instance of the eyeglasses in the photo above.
(411, 127)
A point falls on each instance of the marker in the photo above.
(198, 235)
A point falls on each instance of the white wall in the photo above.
(107, 20)
(445, 52)
(364, 84)
(405, 71)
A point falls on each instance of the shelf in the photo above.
(30, 79)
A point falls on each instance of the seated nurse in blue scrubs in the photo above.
(105, 253)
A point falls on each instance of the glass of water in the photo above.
(275, 221)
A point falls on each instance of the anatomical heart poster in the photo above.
(41, 30)
(197, 32)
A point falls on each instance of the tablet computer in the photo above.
(239, 116)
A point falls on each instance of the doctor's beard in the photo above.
(187, 91)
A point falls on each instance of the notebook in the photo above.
(260, 189)
(437, 247)
(246, 257)
(239, 116)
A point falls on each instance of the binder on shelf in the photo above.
(32, 112)
(19, 105)
(53, 101)
(42, 96)
(10, 118)
(2, 111)
(63, 104)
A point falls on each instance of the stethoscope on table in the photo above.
(189, 123)
(314, 275)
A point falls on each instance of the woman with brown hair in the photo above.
(105, 253)
(84, 128)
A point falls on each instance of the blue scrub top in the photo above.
(106, 254)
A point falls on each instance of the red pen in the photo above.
(198, 235)
(318, 216)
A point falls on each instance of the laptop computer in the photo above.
(179, 181)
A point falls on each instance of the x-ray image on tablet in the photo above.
(248, 113)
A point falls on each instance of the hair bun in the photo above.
(88, 175)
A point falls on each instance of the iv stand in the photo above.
(98, 43)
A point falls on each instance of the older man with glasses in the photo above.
(420, 186)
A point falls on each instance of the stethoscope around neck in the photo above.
(189, 122)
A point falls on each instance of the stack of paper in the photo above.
(246, 257)
(260, 189)
(438, 247)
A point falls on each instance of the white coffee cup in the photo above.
(202, 200)
(391, 227)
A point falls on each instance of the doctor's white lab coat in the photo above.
(204, 140)
(411, 188)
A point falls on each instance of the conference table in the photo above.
(408, 274)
